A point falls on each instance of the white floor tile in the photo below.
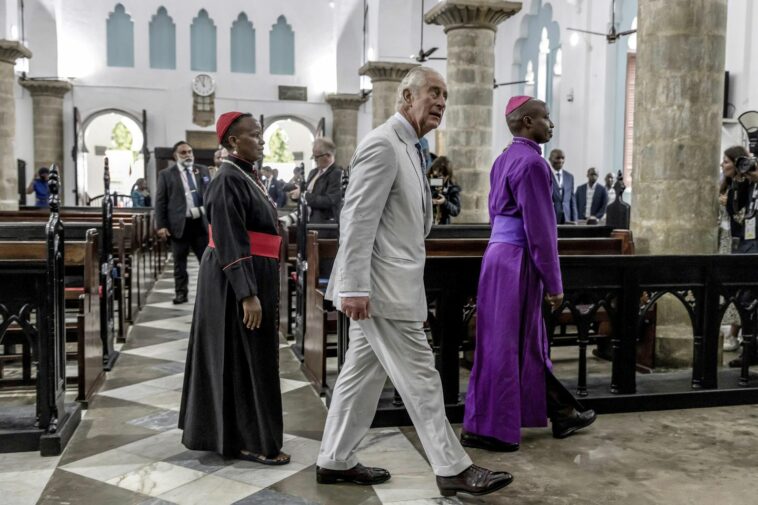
(156, 479)
(210, 488)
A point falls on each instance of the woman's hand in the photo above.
(252, 312)
(722, 199)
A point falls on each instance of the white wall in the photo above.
(329, 50)
(166, 94)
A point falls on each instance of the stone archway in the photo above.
(119, 135)
(300, 135)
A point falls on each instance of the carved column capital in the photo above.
(386, 70)
(46, 87)
(347, 101)
(11, 50)
(473, 14)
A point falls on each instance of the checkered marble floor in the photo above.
(128, 449)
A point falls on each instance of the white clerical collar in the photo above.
(407, 125)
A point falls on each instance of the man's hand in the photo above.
(440, 200)
(555, 301)
(163, 233)
(356, 307)
(252, 313)
(752, 176)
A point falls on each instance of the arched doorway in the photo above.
(119, 136)
(288, 143)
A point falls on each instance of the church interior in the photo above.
(658, 329)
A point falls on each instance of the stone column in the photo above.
(470, 26)
(47, 98)
(385, 78)
(681, 52)
(345, 124)
(10, 51)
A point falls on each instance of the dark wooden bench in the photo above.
(322, 251)
(81, 298)
(32, 297)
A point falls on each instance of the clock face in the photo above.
(203, 84)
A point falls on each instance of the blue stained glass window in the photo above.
(243, 45)
(120, 35)
(203, 43)
(282, 48)
(162, 40)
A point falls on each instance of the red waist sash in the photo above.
(261, 244)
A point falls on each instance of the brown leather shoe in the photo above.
(359, 474)
(474, 480)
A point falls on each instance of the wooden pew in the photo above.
(322, 251)
(36, 287)
(22, 241)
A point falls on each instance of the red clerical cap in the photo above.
(516, 102)
(225, 120)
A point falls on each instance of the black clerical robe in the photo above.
(231, 399)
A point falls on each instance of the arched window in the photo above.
(203, 43)
(282, 45)
(120, 35)
(542, 73)
(243, 45)
(162, 40)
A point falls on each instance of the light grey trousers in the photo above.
(381, 347)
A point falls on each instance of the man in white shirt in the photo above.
(564, 200)
(591, 199)
(179, 212)
(378, 282)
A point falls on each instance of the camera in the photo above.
(745, 164)
(436, 184)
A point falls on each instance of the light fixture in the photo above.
(331, 4)
(574, 39)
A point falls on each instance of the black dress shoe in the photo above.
(565, 426)
(473, 480)
(359, 474)
(179, 299)
(486, 443)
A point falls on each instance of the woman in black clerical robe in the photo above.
(231, 401)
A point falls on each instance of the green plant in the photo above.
(278, 148)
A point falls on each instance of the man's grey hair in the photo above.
(413, 81)
(325, 144)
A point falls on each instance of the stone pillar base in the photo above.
(385, 77)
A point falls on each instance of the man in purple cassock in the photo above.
(511, 383)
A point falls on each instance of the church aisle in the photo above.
(127, 449)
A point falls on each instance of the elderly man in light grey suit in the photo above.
(378, 281)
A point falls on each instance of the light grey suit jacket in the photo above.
(385, 218)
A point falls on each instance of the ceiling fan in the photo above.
(612, 36)
(422, 55)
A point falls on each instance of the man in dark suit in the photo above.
(564, 200)
(272, 185)
(179, 212)
(323, 184)
(591, 199)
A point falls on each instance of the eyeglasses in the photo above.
(317, 156)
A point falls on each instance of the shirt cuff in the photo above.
(345, 294)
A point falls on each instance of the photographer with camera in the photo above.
(38, 186)
(446, 194)
(740, 167)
